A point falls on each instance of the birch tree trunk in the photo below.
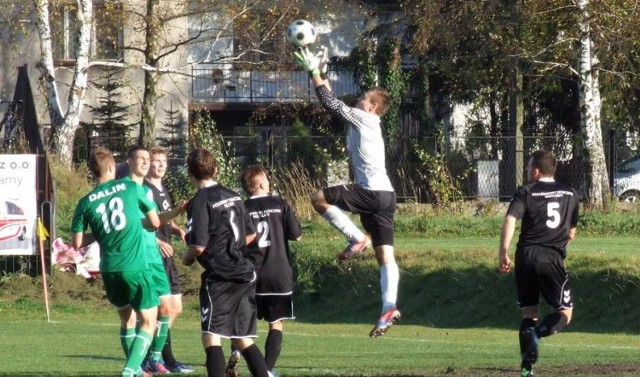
(590, 105)
(64, 126)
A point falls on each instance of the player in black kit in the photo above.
(218, 231)
(549, 213)
(276, 224)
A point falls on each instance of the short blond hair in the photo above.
(99, 161)
(380, 97)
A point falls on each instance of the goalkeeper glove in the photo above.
(307, 61)
(323, 55)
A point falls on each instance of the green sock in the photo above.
(160, 339)
(137, 352)
(126, 338)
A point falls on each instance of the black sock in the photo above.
(167, 352)
(525, 324)
(215, 361)
(255, 361)
(272, 348)
(547, 325)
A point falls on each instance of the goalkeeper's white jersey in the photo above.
(365, 144)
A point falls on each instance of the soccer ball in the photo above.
(301, 33)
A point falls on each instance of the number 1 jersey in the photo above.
(218, 222)
(548, 210)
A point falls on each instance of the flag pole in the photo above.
(42, 235)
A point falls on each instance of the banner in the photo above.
(18, 204)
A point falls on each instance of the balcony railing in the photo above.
(219, 83)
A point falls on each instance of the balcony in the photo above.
(221, 84)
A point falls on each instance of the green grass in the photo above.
(88, 345)
(459, 316)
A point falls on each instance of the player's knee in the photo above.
(318, 201)
(567, 315)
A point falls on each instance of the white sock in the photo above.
(343, 223)
(389, 279)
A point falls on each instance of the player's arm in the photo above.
(508, 229)
(148, 208)
(151, 220)
(190, 255)
(81, 239)
(250, 238)
(572, 234)
(177, 231)
(167, 216)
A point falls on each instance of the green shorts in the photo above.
(130, 288)
(159, 279)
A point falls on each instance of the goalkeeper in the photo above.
(371, 195)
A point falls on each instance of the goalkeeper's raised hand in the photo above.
(308, 61)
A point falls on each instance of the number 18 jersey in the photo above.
(112, 212)
(548, 210)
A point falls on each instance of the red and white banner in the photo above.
(18, 204)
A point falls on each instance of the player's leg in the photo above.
(252, 355)
(154, 363)
(556, 290)
(175, 299)
(127, 329)
(330, 203)
(528, 291)
(214, 361)
(144, 300)
(273, 344)
(381, 226)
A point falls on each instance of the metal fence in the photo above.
(222, 83)
(479, 167)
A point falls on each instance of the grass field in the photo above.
(459, 317)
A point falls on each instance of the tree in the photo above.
(64, 123)
(159, 37)
(173, 127)
(109, 116)
(590, 105)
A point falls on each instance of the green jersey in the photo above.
(112, 212)
(149, 236)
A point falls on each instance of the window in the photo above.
(106, 36)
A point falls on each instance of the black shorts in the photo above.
(274, 308)
(376, 209)
(172, 275)
(540, 271)
(228, 309)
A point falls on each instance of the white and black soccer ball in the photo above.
(301, 33)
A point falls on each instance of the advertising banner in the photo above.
(18, 204)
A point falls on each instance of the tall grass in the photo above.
(295, 184)
(70, 186)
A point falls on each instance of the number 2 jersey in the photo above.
(112, 212)
(548, 210)
(275, 224)
(218, 222)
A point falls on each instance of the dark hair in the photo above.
(544, 161)
(201, 164)
(247, 179)
(131, 153)
(380, 96)
(99, 161)
(122, 170)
